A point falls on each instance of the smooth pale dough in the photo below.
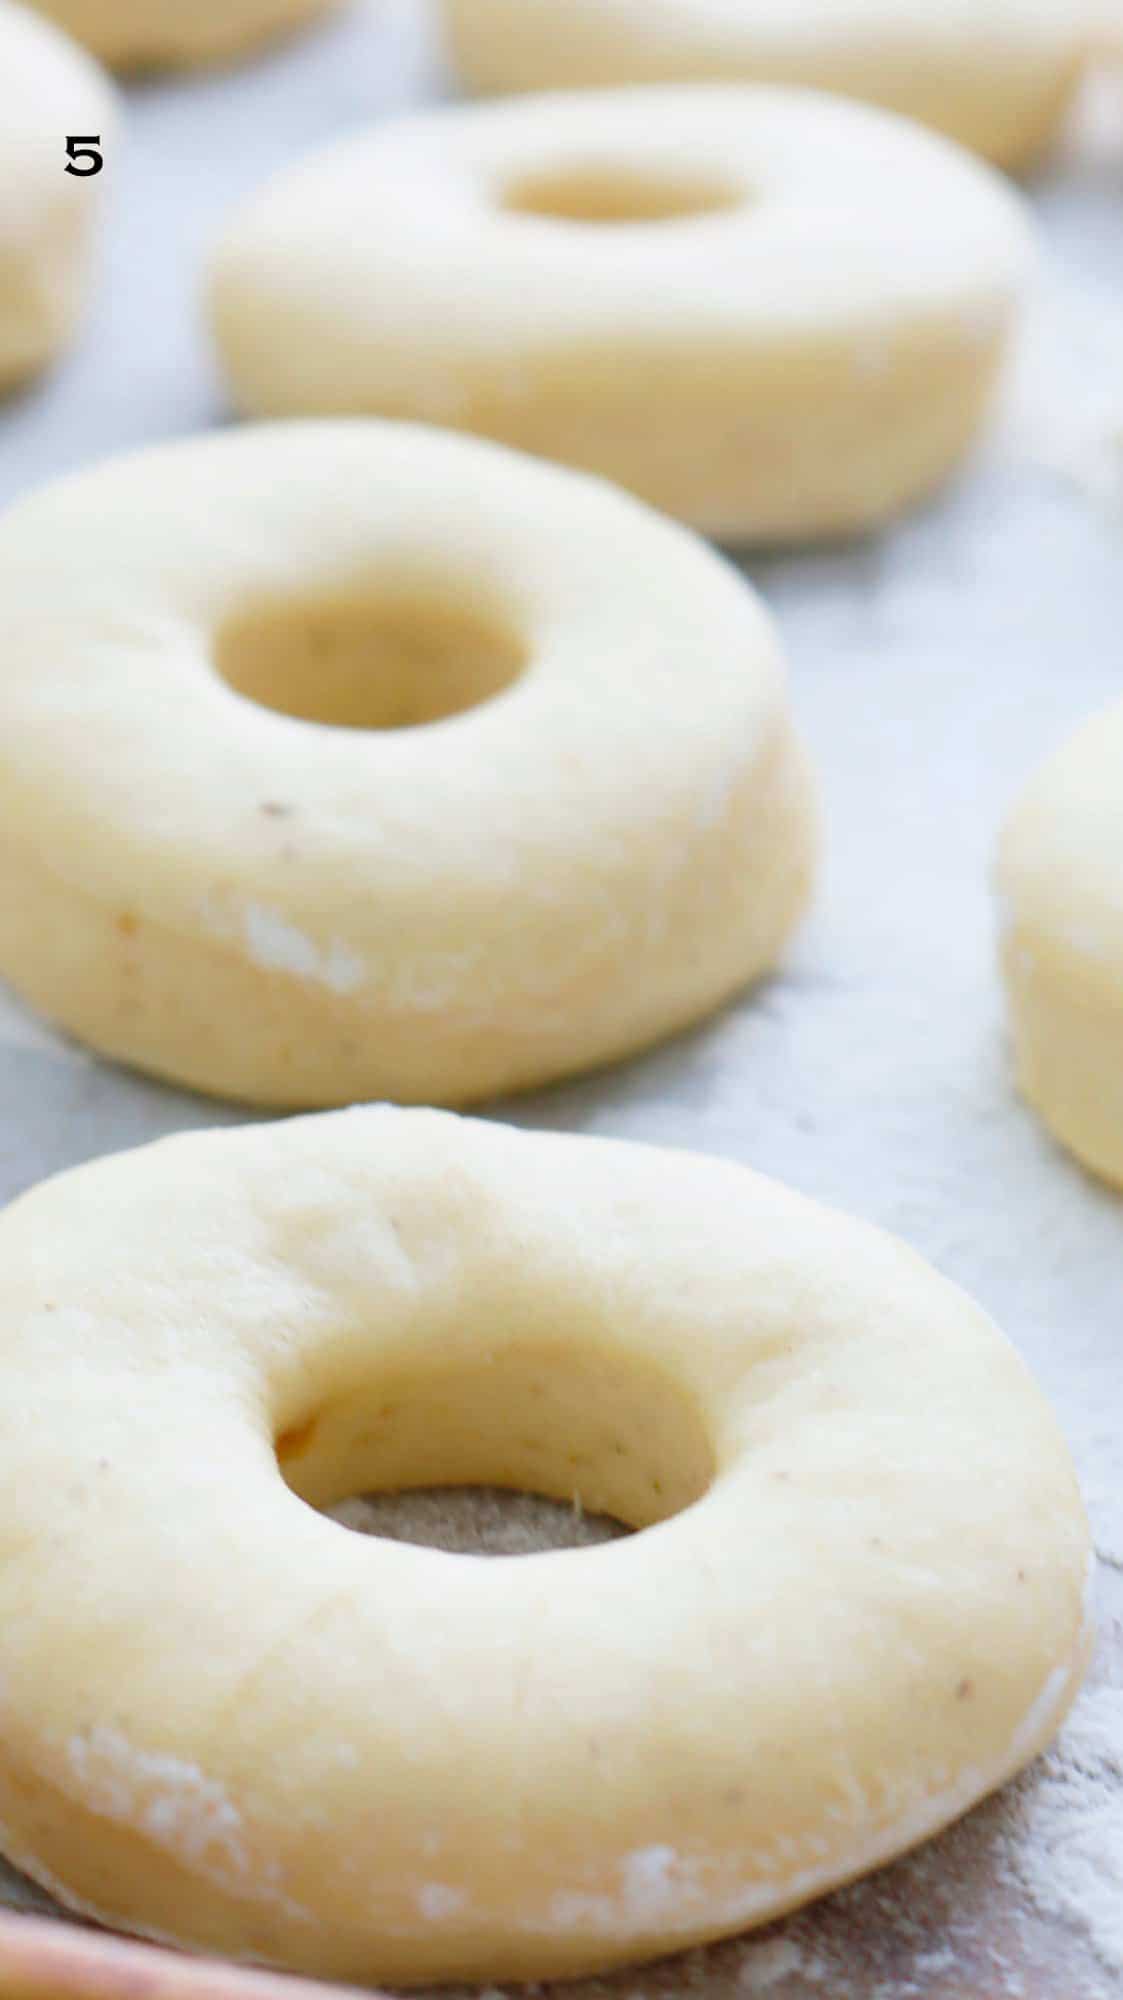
(49, 90)
(861, 1605)
(805, 358)
(998, 75)
(1061, 886)
(158, 34)
(285, 912)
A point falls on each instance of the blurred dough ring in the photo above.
(767, 313)
(157, 34)
(49, 91)
(1110, 39)
(231, 1723)
(1061, 885)
(999, 79)
(612, 842)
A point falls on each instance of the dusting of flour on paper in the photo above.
(1066, 1854)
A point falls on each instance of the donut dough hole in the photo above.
(547, 1419)
(999, 79)
(1061, 890)
(597, 194)
(381, 662)
(50, 91)
(767, 313)
(169, 34)
(857, 1603)
(346, 761)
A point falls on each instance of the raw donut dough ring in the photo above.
(169, 34)
(374, 1761)
(50, 91)
(1061, 886)
(999, 79)
(749, 333)
(617, 839)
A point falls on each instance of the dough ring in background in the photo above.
(353, 760)
(999, 78)
(158, 34)
(1061, 885)
(768, 313)
(1109, 23)
(228, 1722)
(50, 91)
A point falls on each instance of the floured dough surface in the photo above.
(998, 77)
(50, 91)
(228, 1722)
(767, 313)
(1061, 888)
(158, 34)
(354, 760)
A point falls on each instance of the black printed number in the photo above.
(84, 155)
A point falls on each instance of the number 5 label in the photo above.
(84, 156)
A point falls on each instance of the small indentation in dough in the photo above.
(965, 1690)
(297, 1440)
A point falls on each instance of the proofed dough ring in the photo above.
(49, 92)
(614, 840)
(157, 34)
(997, 78)
(769, 313)
(1061, 888)
(227, 1721)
